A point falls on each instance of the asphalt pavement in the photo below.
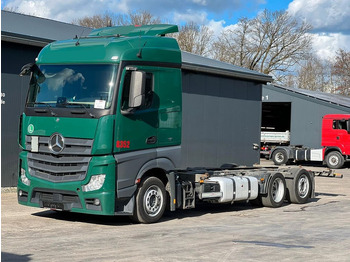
(316, 231)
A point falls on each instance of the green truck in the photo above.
(121, 122)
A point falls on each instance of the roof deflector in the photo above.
(134, 30)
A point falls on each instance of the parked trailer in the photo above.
(113, 121)
(335, 142)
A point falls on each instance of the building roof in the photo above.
(325, 97)
(206, 65)
(31, 30)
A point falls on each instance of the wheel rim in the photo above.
(279, 157)
(153, 200)
(333, 160)
(277, 190)
(303, 186)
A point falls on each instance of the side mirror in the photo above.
(348, 125)
(27, 69)
(33, 68)
(137, 89)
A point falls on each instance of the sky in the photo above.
(329, 18)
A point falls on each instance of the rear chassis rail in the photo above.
(185, 187)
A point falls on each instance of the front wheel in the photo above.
(334, 160)
(276, 191)
(150, 201)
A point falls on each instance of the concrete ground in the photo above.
(316, 231)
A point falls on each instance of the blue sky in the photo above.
(228, 10)
(329, 18)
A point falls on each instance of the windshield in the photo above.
(90, 86)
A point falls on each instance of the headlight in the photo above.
(95, 183)
(24, 178)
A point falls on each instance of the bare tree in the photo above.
(272, 43)
(11, 9)
(96, 21)
(315, 74)
(194, 38)
(341, 71)
(137, 18)
(233, 45)
(109, 19)
(290, 80)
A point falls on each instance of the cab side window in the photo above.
(148, 91)
(340, 124)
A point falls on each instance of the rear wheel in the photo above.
(299, 188)
(279, 157)
(276, 191)
(334, 160)
(150, 201)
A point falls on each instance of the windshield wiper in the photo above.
(81, 105)
(46, 104)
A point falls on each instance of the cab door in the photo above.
(135, 135)
(136, 128)
(338, 135)
(343, 135)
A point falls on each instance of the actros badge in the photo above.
(56, 143)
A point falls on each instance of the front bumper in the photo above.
(69, 196)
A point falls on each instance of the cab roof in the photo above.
(136, 30)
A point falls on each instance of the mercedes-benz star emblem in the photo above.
(56, 143)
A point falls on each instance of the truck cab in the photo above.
(97, 112)
(336, 138)
(335, 144)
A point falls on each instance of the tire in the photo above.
(276, 191)
(299, 189)
(150, 201)
(334, 160)
(279, 157)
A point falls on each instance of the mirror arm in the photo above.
(129, 111)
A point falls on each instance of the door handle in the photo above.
(151, 140)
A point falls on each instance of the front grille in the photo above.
(58, 168)
(69, 165)
(72, 146)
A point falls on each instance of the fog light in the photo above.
(95, 183)
(20, 193)
(24, 178)
(97, 202)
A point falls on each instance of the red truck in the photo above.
(335, 144)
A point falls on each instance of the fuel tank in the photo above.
(237, 188)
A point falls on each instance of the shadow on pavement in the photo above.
(15, 258)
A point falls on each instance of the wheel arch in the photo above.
(328, 150)
(156, 168)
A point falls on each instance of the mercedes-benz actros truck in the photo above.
(121, 122)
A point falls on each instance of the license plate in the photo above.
(54, 206)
